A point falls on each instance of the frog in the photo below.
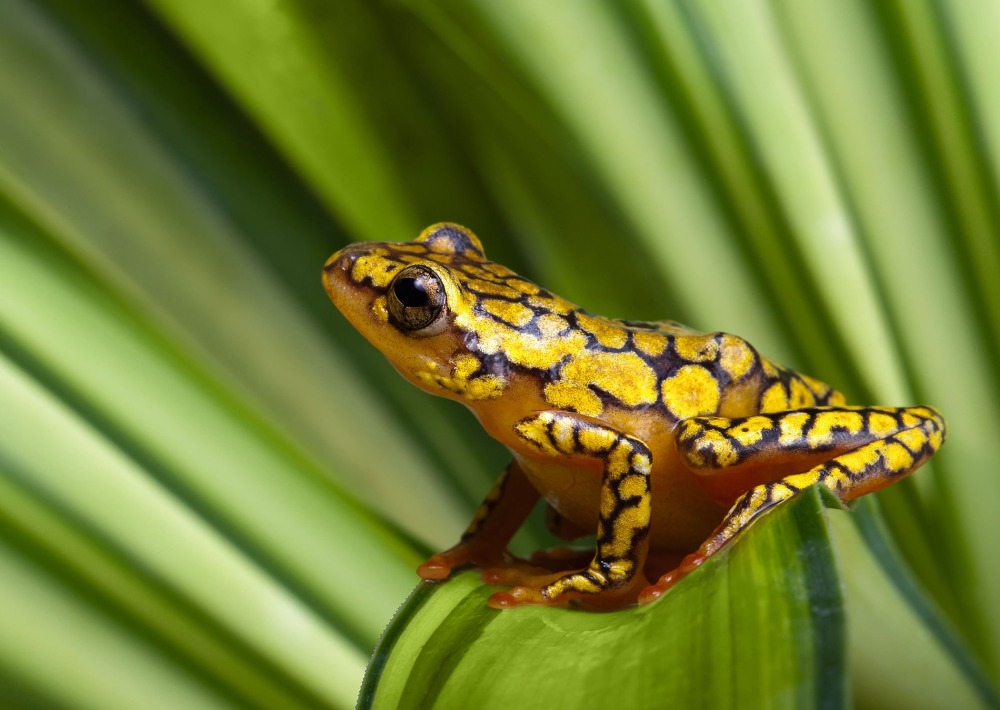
(662, 441)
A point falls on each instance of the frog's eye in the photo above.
(416, 298)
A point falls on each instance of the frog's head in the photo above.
(413, 302)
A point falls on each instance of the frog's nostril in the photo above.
(342, 260)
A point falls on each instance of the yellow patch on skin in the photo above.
(818, 388)
(608, 501)
(510, 312)
(489, 288)
(534, 431)
(626, 522)
(822, 428)
(769, 369)
(651, 344)
(791, 428)
(913, 439)
(461, 382)
(881, 425)
(722, 449)
(858, 460)
(774, 399)
(737, 357)
(596, 441)
(780, 492)
(551, 325)
(803, 480)
(522, 286)
(380, 309)
(562, 433)
(689, 429)
(625, 376)
(576, 582)
(690, 392)
(897, 457)
(373, 266)
(573, 396)
(618, 459)
(801, 396)
(477, 272)
(607, 333)
(837, 480)
(641, 463)
(910, 420)
(409, 248)
(548, 303)
(475, 388)
(620, 569)
(750, 431)
(696, 348)
(632, 486)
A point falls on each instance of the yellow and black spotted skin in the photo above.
(662, 440)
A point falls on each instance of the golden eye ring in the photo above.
(416, 299)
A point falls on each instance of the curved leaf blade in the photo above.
(759, 625)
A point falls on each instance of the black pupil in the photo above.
(411, 293)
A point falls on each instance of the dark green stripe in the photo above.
(875, 536)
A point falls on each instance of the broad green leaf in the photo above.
(786, 616)
(759, 625)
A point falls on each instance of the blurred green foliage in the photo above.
(212, 492)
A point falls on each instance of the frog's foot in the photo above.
(515, 572)
(588, 588)
(441, 565)
(686, 566)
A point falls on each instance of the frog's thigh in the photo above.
(861, 449)
(623, 521)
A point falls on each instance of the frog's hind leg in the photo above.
(853, 451)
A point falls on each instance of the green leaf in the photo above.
(796, 612)
(893, 625)
(759, 625)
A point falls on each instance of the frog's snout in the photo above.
(342, 260)
(337, 270)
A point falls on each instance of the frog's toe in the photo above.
(517, 574)
(434, 569)
(523, 596)
(687, 565)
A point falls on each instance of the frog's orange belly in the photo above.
(683, 513)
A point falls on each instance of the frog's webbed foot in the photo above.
(441, 565)
(687, 565)
(588, 587)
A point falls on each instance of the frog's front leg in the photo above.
(850, 450)
(498, 517)
(624, 508)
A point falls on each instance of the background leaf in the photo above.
(215, 486)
